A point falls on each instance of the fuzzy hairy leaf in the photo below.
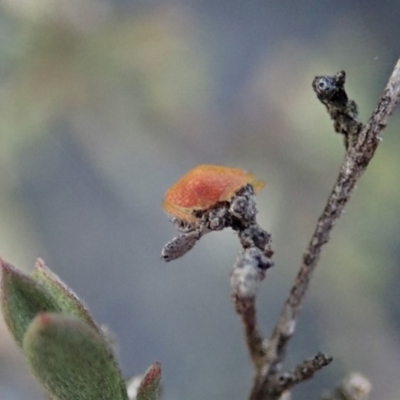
(72, 360)
(22, 298)
(149, 388)
(67, 300)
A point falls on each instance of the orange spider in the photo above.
(203, 187)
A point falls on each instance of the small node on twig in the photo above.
(180, 245)
(255, 236)
(243, 206)
(306, 370)
(353, 387)
(344, 112)
(280, 383)
(249, 270)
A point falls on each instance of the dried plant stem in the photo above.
(249, 270)
(306, 370)
(356, 161)
(254, 340)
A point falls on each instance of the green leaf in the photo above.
(71, 359)
(67, 300)
(22, 298)
(149, 388)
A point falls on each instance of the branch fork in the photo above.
(239, 213)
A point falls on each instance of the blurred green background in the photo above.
(105, 103)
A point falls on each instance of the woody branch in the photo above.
(361, 142)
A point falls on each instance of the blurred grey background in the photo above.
(105, 103)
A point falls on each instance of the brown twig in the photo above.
(356, 161)
(344, 112)
(306, 370)
(248, 272)
(255, 342)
